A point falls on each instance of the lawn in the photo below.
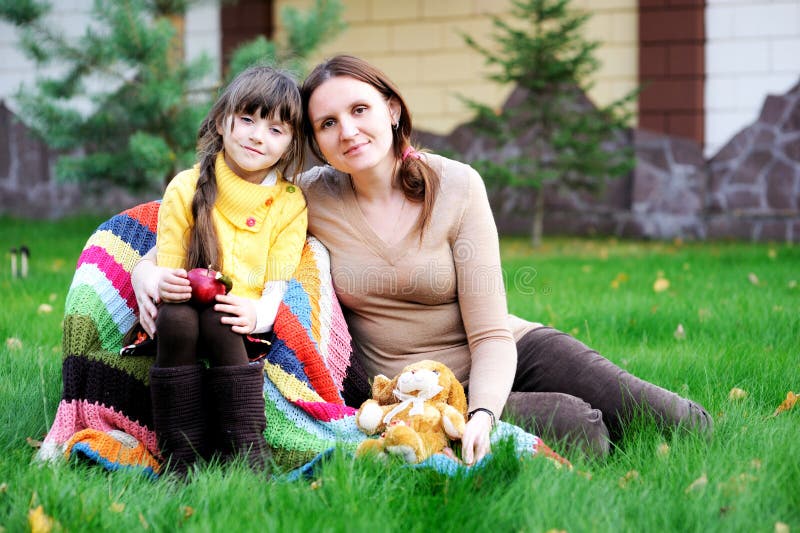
(701, 319)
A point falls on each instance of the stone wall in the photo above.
(28, 188)
(749, 190)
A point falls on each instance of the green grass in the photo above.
(737, 334)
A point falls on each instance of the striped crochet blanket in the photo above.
(105, 413)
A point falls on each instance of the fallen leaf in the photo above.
(316, 484)
(786, 404)
(738, 484)
(630, 476)
(39, 522)
(116, 507)
(663, 449)
(187, 511)
(737, 394)
(792, 284)
(621, 278)
(33, 443)
(752, 278)
(772, 254)
(680, 333)
(697, 484)
(142, 521)
(44, 309)
(13, 343)
(661, 284)
(781, 527)
(3, 487)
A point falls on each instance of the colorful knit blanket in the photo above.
(105, 412)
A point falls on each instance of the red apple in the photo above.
(206, 283)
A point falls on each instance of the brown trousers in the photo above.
(567, 393)
(186, 334)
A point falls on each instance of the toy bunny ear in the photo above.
(457, 398)
(382, 388)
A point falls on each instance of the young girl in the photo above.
(235, 212)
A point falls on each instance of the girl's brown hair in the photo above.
(419, 182)
(264, 90)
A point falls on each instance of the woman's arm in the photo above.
(484, 311)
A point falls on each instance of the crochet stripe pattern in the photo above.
(105, 412)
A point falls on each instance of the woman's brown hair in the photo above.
(263, 90)
(418, 181)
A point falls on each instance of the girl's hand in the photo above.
(242, 311)
(173, 285)
(475, 442)
(152, 284)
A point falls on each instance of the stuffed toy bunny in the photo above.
(416, 414)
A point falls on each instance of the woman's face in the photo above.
(352, 124)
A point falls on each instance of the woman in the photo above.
(416, 265)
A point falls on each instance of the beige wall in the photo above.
(418, 44)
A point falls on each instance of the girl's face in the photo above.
(352, 125)
(253, 144)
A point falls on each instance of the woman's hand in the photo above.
(475, 442)
(144, 281)
(242, 311)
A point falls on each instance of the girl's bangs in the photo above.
(279, 101)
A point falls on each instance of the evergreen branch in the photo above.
(23, 12)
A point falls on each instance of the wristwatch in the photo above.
(485, 410)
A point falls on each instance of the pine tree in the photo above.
(125, 105)
(544, 54)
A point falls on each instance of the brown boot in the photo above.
(236, 396)
(178, 415)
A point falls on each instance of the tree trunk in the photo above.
(177, 50)
(538, 218)
(176, 57)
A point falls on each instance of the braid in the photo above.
(203, 241)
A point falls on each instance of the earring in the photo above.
(396, 125)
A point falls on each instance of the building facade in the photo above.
(704, 67)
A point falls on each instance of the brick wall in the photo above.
(672, 67)
(418, 44)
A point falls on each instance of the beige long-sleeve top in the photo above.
(440, 298)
